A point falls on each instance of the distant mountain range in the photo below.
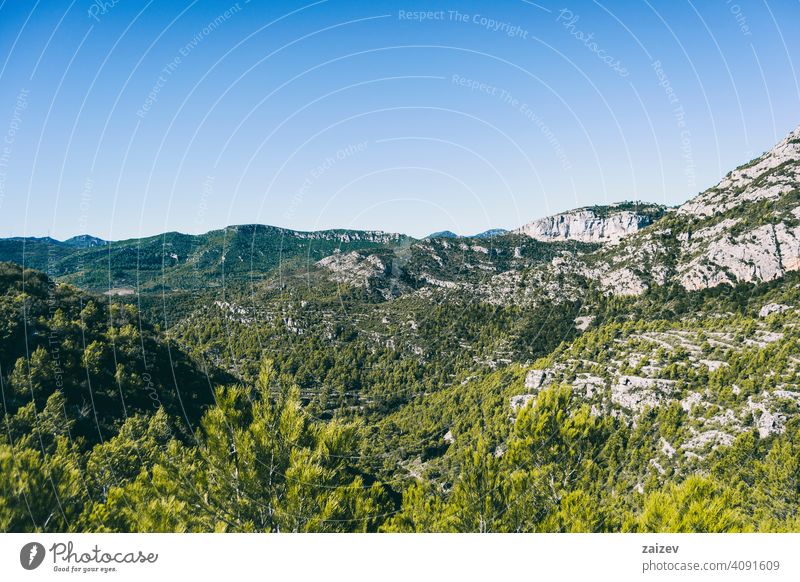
(743, 229)
(173, 261)
(485, 234)
(181, 261)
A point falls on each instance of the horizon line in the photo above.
(32, 237)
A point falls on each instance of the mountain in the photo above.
(80, 241)
(744, 229)
(84, 241)
(747, 227)
(34, 240)
(442, 234)
(597, 224)
(491, 233)
(38, 253)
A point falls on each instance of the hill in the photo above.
(175, 261)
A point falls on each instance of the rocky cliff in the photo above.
(592, 225)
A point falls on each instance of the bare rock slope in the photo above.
(591, 225)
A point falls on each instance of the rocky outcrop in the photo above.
(587, 225)
(622, 282)
(349, 236)
(745, 229)
(771, 308)
(354, 267)
(764, 253)
(520, 401)
(635, 393)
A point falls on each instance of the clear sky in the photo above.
(124, 118)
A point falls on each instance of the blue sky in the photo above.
(123, 119)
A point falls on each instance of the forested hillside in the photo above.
(619, 368)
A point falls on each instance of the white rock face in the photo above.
(754, 256)
(619, 268)
(712, 438)
(730, 251)
(767, 422)
(635, 393)
(667, 448)
(535, 379)
(353, 267)
(709, 233)
(431, 280)
(518, 402)
(771, 308)
(588, 385)
(623, 282)
(585, 226)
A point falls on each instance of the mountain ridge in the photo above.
(744, 229)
